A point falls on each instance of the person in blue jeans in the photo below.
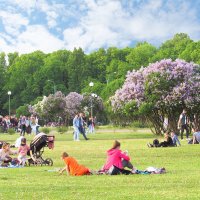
(175, 139)
(76, 127)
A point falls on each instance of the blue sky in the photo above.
(49, 25)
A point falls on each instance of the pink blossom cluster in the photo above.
(182, 80)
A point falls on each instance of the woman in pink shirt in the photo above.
(118, 160)
(23, 149)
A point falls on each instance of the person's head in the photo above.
(64, 155)
(23, 141)
(172, 133)
(166, 135)
(194, 129)
(6, 146)
(184, 111)
(116, 145)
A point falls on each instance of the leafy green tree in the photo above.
(12, 57)
(172, 48)
(96, 65)
(21, 79)
(192, 52)
(22, 110)
(55, 71)
(76, 70)
(141, 55)
(3, 94)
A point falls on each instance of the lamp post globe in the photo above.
(91, 84)
(9, 93)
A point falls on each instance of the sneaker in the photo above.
(149, 145)
(134, 171)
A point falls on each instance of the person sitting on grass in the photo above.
(175, 139)
(117, 161)
(72, 167)
(167, 143)
(23, 150)
(196, 137)
(5, 153)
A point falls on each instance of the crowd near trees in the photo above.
(34, 75)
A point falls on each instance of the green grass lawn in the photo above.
(182, 180)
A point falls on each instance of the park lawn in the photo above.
(182, 180)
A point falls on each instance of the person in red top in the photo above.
(23, 149)
(72, 167)
(118, 159)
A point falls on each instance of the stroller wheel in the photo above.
(48, 162)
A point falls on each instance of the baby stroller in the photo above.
(37, 148)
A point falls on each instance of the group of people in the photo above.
(171, 138)
(6, 152)
(23, 124)
(116, 163)
(80, 125)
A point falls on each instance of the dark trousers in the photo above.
(184, 127)
(23, 129)
(82, 131)
(116, 171)
(126, 163)
(163, 144)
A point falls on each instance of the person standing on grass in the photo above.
(76, 127)
(118, 159)
(81, 126)
(72, 167)
(23, 125)
(183, 123)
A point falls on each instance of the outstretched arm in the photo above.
(64, 169)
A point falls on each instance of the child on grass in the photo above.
(72, 167)
(23, 150)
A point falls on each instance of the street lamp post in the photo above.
(91, 84)
(9, 93)
(54, 86)
(93, 96)
(108, 79)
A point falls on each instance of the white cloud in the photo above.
(92, 24)
(13, 22)
(36, 37)
(107, 23)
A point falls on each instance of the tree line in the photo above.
(31, 76)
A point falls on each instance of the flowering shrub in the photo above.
(160, 90)
(59, 106)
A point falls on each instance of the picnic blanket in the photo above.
(11, 166)
(151, 170)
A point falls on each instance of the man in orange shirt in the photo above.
(72, 167)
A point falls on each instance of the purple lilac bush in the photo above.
(165, 87)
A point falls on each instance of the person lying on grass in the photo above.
(167, 143)
(72, 167)
(5, 153)
(119, 160)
